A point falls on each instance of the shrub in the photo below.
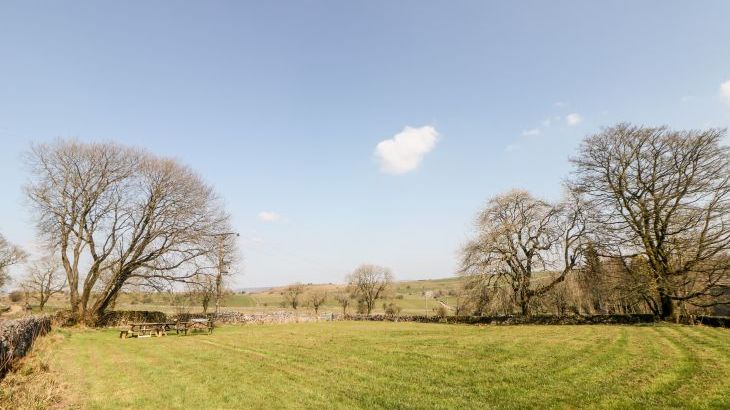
(16, 296)
(440, 311)
(122, 317)
(391, 309)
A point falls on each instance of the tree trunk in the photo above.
(666, 305)
(524, 308)
(74, 299)
(103, 301)
(84, 313)
(523, 298)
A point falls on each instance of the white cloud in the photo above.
(405, 151)
(725, 90)
(269, 216)
(573, 119)
(547, 122)
(530, 133)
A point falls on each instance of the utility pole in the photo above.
(221, 268)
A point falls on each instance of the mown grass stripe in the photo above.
(400, 365)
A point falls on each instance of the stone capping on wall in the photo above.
(17, 337)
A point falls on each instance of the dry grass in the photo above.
(33, 384)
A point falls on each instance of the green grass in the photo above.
(396, 365)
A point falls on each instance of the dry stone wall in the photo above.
(124, 317)
(271, 317)
(515, 320)
(17, 337)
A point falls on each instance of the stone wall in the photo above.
(515, 320)
(123, 317)
(17, 337)
(264, 318)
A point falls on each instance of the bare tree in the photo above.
(662, 196)
(9, 255)
(463, 304)
(180, 301)
(44, 278)
(519, 235)
(479, 294)
(292, 295)
(226, 255)
(122, 214)
(343, 299)
(316, 298)
(370, 283)
(204, 290)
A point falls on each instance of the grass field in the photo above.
(409, 295)
(393, 365)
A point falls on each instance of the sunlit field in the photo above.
(409, 295)
(394, 365)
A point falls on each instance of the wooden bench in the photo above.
(195, 324)
(146, 330)
(161, 329)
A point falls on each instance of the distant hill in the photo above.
(413, 296)
(400, 287)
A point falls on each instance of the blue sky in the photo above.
(281, 106)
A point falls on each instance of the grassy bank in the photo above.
(392, 365)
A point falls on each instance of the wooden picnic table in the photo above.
(147, 329)
(193, 324)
